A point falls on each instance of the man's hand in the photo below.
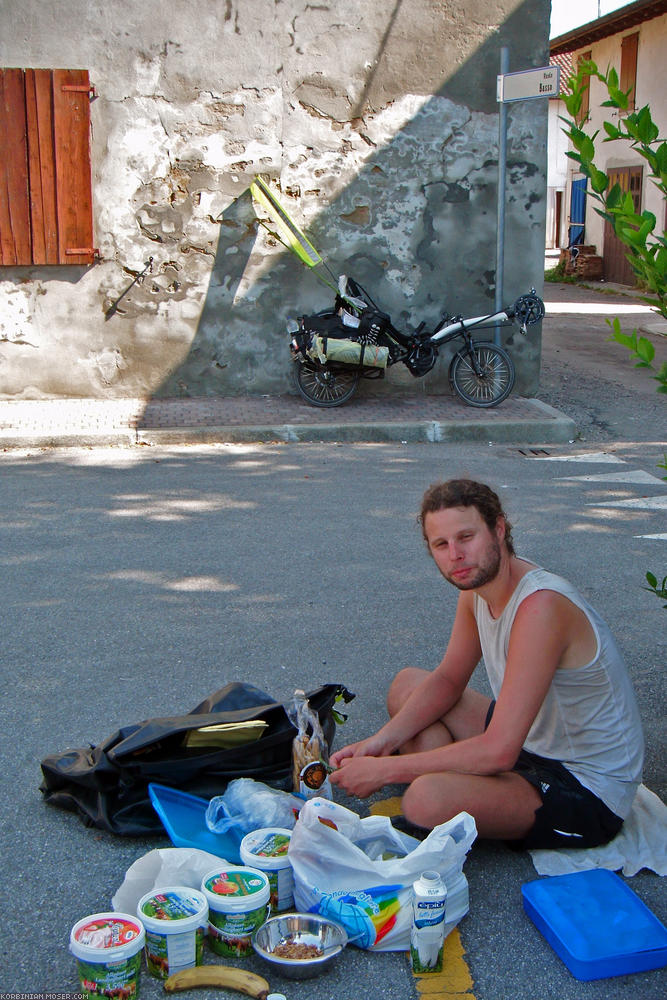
(372, 746)
(362, 775)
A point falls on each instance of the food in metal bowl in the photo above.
(299, 945)
(291, 948)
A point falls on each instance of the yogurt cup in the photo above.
(238, 903)
(107, 948)
(175, 920)
(266, 849)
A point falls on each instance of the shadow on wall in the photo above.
(415, 224)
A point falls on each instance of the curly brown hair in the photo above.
(466, 493)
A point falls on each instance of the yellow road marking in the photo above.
(455, 981)
(387, 807)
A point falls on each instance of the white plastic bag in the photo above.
(162, 867)
(339, 871)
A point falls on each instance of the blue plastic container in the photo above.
(184, 818)
(596, 924)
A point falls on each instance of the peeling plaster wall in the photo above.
(376, 122)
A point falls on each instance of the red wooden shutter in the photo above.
(46, 211)
(628, 79)
(14, 194)
(71, 128)
(586, 96)
(43, 217)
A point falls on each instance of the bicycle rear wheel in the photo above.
(324, 385)
(485, 379)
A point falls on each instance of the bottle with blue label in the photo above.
(428, 923)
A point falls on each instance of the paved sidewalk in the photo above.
(247, 419)
(369, 416)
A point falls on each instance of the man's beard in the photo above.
(486, 571)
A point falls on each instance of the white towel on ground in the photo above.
(641, 843)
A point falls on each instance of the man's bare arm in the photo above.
(541, 634)
(429, 702)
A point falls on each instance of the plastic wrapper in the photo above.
(310, 757)
(251, 805)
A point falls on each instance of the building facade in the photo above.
(632, 40)
(132, 263)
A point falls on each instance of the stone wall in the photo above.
(375, 122)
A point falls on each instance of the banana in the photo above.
(225, 976)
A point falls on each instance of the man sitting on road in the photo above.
(556, 758)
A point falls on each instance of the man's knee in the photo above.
(402, 686)
(418, 802)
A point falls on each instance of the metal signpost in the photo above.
(521, 86)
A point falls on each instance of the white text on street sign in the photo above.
(529, 83)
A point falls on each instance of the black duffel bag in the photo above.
(107, 785)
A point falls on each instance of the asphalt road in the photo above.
(135, 582)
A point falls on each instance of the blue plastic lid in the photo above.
(596, 923)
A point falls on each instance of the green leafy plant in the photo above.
(642, 349)
(340, 717)
(660, 590)
(557, 273)
(646, 249)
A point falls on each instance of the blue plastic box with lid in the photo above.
(596, 924)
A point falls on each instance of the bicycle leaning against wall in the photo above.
(334, 348)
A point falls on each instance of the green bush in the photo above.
(646, 247)
(557, 274)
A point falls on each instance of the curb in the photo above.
(556, 429)
(88, 423)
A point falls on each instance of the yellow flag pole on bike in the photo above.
(289, 233)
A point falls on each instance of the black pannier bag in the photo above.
(324, 325)
(327, 325)
(372, 325)
(107, 784)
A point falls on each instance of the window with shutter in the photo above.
(628, 79)
(586, 95)
(46, 206)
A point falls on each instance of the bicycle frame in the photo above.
(448, 329)
(458, 326)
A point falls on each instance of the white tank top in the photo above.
(589, 719)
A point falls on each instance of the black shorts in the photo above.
(570, 814)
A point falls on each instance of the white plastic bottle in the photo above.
(428, 923)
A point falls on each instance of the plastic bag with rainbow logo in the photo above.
(360, 872)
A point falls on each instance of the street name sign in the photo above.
(528, 83)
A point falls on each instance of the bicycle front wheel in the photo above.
(482, 376)
(323, 385)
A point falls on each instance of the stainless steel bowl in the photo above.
(302, 928)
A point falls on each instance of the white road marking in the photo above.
(601, 457)
(600, 308)
(639, 503)
(638, 476)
